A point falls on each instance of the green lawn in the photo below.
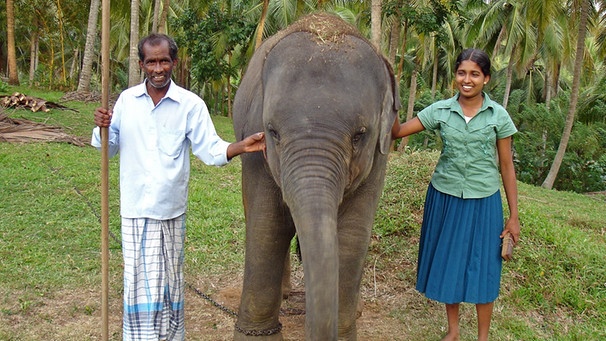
(555, 289)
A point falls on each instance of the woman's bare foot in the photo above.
(451, 336)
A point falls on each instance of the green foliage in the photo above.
(592, 103)
(540, 130)
(3, 87)
(209, 38)
(403, 217)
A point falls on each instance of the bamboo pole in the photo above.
(105, 172)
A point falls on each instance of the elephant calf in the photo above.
(326, 100)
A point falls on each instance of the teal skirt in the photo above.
(460, 248)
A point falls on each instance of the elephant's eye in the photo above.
(359, 136)
(273, 133)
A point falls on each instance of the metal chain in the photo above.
(266, 332)
(213, 302)
(284, 311)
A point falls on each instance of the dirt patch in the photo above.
(206, 322)
(16, 130)
(391, 310)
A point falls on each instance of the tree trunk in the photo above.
(412, 93)
(394, 39)
(156, 18)
(508, 80)
(402, 53)
(163, 16)
(62, 42)
(375, 23)
(229, 96)
(33, 53)
(261, 27)
(74, 67)
(13, 73)
(574, 98)
(89, 47)
(434, 77)
(134, 75)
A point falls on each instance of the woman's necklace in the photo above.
(471, 108)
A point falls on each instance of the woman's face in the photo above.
(470, 79)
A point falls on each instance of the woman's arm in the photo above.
(409, 127)
(508, 175)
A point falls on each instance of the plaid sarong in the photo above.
(154, 286)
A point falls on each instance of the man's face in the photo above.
(157, 65)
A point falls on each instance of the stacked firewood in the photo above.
(22, 101)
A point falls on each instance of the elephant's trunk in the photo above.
(313, 182)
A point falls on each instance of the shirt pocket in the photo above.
(488, 140)
(454, 137)
(170, 143)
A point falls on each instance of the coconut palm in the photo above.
(375, 28)
(134, 74)
(505, 27)
(585, 6)
(87, 59)
(13, 73)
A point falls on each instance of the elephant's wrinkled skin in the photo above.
(326, 101)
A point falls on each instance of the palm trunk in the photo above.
(411, 102)
(89, 46)
(33, 53)
(508, 80)
(134, 74)
(375, 23)
(156, 18)
(62, 42)
(163, 16)
(574, 98)
(13, 74)
(261, 26)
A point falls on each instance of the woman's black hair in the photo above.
(477, 56)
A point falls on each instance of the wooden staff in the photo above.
(105, 172)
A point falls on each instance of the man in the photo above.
(153, 125)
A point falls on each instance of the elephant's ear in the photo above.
(391, 106)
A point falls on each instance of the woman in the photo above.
(459, 251)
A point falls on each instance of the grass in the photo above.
(555, 289)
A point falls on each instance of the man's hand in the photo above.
(103, 117)
(252, 143)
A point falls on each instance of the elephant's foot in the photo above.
(273, 334)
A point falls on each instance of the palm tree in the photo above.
(13, 73)
(134, 75)
(89, 48)
(574, 96)
(156, 18)
(261, 26)
(163, 16)
(505, 25)
(375, 27)
(33, 51)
